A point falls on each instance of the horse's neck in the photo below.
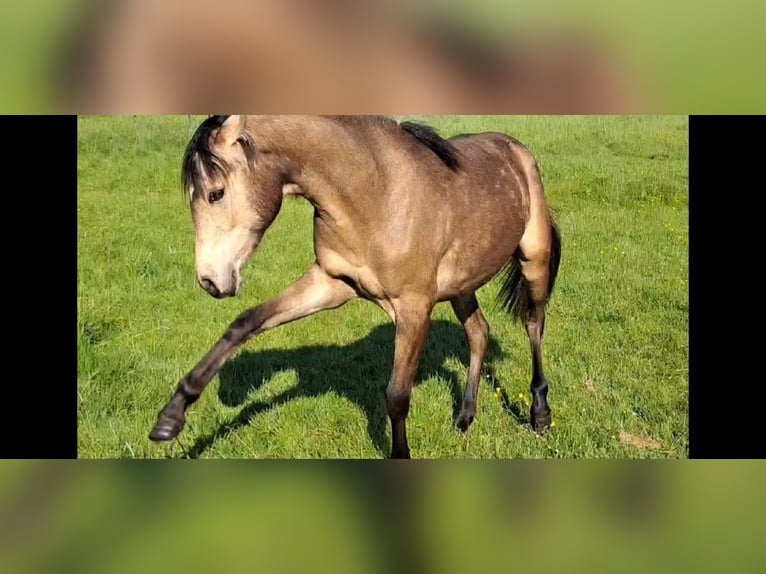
(330, 165)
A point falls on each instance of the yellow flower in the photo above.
(553, 424)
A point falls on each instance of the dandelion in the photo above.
(553, 424)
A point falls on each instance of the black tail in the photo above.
(433, 141)
(514, 291)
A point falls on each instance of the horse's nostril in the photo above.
(209, 286)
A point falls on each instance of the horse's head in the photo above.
(235, 193)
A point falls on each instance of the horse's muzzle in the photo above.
(215, 291)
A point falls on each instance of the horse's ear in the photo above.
(232, 129)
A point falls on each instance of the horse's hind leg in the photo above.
(540, 412)
(535, 272)
(476, 328)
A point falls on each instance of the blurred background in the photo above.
(569, 516)
(383, 56)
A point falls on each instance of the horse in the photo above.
(403, 218)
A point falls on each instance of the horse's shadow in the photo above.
(359, 372)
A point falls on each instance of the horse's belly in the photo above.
(466, 268)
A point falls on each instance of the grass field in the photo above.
(615, 347)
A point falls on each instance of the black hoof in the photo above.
(541, 420)
(464, 421)
(166, 429)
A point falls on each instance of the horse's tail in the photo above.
(514, 295)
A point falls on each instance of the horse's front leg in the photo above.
(315, 291)
(413, 318)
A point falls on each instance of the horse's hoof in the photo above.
(166, 429)
(541, 421)
(464, 421)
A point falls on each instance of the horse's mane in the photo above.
(427, 135)
(199, 148)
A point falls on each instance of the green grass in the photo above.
(314, 388)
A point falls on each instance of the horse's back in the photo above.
(499, 171)
(485, 150)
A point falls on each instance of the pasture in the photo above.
(615, 347)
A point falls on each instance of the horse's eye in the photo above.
(214, 196)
